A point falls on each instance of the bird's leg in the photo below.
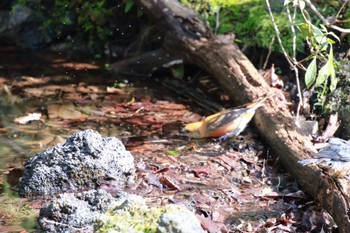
(226, 136)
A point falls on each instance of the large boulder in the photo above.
(81, 163)
(20, 24)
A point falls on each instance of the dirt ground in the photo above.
(232, 186)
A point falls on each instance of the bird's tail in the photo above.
(258, 104)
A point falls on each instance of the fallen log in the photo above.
(186, 35)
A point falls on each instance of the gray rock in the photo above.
(11, 21)
(19, 15)
(81, 163)
(74, 212)
(337, 150)
(179, 220)
(4, 21)
(22, 26)
(335, 158)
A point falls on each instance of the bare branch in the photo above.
(292, 61)
(278, 34)
(325, 21)
(296, 71)
(341, 8)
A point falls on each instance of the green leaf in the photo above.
(330, 41)
(310, 75)
(331, 69)
(323, 28)
(323, 74)
(129, 4)
(320, 37)
(334, 82)
(330, 55)
(139, 13)
(119, 84)
(334, 35)
(173, 152)
(178, 71)
(306, 29)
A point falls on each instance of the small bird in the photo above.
(335, 157)
(227, 123)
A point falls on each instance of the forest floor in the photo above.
(232, 186)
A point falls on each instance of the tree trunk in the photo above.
(186, 34)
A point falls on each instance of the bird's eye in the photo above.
(184, 131)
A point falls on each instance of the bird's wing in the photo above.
(224, 119)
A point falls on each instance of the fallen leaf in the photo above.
(28, 118)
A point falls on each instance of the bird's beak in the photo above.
(183, 131)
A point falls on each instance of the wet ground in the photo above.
(232, 186)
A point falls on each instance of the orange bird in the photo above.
(227, 123)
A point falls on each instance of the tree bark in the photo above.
(186, 34)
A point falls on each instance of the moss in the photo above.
(248, 19)
(132, 215)
(13, 211)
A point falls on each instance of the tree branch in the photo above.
(325, 21)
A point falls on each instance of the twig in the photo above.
(269, 53)
(331, 128)
(292, 62)
(278, 34)
(325, 21)
(217, 19)
(296, 71)
(341, 9)
(292, 23)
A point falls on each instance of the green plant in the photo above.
(320, 42)
(92, 22)
(320, 46)
(247, 19)
(322, 49)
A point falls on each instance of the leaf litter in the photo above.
(231, 186)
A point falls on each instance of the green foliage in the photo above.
(251, 23)
(247, 19)
(92, 21)
(321, 46)
(173, 152)
(178, 71)
(128, 5)
(311, 71)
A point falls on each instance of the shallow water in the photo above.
(36, 84)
